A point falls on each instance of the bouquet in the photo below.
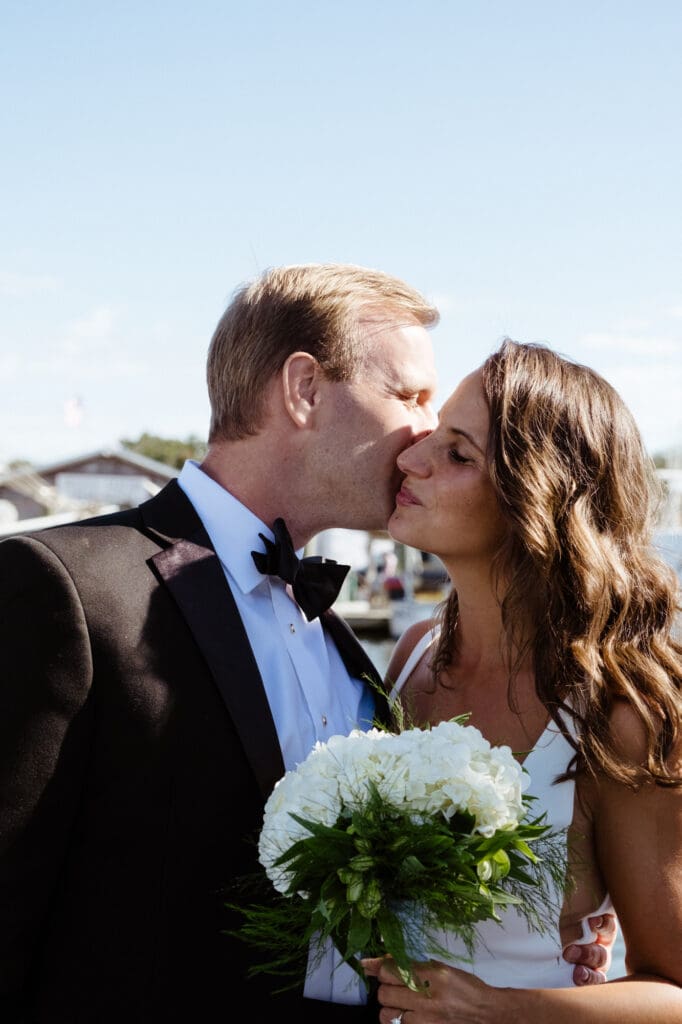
(379, 840)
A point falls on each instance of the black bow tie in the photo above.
(316, 581)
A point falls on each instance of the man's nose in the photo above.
(421, 436)
(430, 418)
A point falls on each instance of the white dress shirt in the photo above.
(309, 690)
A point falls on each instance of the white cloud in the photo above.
(675, 312)
(93, 347)
(102, 366)
(445, 303)
(88, 332)
(631, 325)
(19, 286)
(632, 344)
(652, 392)
(11, 368)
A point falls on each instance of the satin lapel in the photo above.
(190, 569)
(356, 660)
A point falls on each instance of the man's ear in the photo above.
(301, 379)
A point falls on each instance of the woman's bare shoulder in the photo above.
(627, 731)
(404, 647)
(630, 736)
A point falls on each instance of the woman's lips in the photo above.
(406, 497)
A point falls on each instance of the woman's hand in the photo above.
(451, 996)
(448, 996)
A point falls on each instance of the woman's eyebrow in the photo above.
(470, 439)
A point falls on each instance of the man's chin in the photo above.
(375, 519)
(379, 524)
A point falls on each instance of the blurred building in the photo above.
(85, 485)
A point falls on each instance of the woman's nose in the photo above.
(412, 459)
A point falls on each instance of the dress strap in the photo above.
(422, 645)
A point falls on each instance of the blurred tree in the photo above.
(166, 449)
(669, 459)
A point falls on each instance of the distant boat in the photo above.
(390, 619)
(363, 617)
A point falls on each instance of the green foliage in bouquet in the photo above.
(381, 858)
(378, 883)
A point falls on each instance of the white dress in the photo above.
(509, 954)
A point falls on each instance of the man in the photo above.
(155, 683)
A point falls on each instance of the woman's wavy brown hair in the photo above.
(581, 496)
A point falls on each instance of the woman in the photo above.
(557, 637)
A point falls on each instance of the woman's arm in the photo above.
(456, 997)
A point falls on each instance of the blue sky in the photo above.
(520, 163)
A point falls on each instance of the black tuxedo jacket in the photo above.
(137, 750)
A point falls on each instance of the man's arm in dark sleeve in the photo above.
(45, 676)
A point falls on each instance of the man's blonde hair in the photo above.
(314, 308)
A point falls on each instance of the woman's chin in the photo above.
(397, 529)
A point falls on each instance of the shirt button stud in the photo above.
(292, 627)
(324, 719)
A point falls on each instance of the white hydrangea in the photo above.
(423, 772)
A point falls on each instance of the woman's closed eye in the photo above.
(456, 457)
